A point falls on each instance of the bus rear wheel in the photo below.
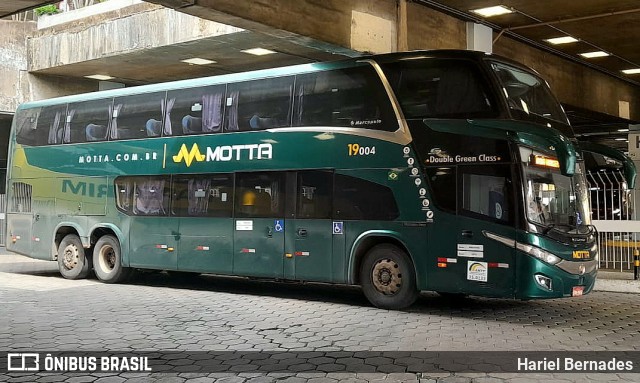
(107, 260)
(72, 262)
(388, 278)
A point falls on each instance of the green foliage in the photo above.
(47, 10)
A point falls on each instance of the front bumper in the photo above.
(563, 276)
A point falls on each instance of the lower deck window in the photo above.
(206, 195)
(355, 198)
(142, 195)
(485, 195)
(309, 194)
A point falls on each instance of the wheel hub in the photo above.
(70, 257)
(107, 258)
(387, 277)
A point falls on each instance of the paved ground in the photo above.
(41, 311)
(616, 281)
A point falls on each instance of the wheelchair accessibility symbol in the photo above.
(278, 226)
(338, 228)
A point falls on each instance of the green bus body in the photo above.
(395, 201)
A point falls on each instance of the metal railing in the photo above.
(617, 243)
(615, 217)
(610, 198)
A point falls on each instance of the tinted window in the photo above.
(194, 110)
(528, 96)
(124, 192)
(33, 125)
(259, 195)
(351, 97)
(136, 117)
(314, 194)
(443, 187)
(355, 198)
(485, 192)
(87, 121)
(260, 104)
(207, 195)
(440, 88)
(150, 195)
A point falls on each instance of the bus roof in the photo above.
(439, 53)
(265, 73)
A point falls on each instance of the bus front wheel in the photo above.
(72, 262)
(107, 260)
(387, 278)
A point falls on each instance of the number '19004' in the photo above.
(357, 150)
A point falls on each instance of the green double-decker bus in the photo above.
(449, 171)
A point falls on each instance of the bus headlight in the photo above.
(537, 252)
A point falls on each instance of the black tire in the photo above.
(388, 278)
(107, 260)
(72, 262)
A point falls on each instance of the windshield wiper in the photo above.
(548, 228)
(552, 226)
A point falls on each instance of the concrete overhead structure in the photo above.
(137, 42)
(386, 25)
(13, 63)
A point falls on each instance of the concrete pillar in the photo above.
(372, 33)
(479, 38)
(634, 154)
(623, 109)
(13, 63)
(402, 26)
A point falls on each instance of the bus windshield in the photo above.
(528, 96)
(552, 199)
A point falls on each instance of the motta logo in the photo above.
(224, 153)
(188, 156)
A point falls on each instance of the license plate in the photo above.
(577, 291)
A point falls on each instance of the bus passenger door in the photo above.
(259, 231)
(204, 204)
(486, 214)
(308, 253)
(467, 258)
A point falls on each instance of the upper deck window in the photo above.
(33, 125)
(528, 96)
(194, 111)
(351, 97)
(259, 104)
(87, 121)
(136, 116)
(445, 88)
